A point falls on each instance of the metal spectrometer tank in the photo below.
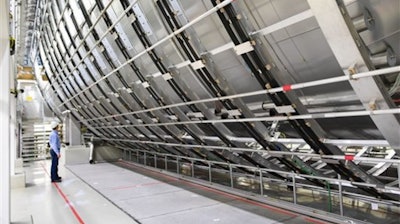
(203, 78)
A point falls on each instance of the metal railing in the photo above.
(146, 158)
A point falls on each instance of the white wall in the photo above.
(13, 119)
(4, 113)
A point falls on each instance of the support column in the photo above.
(352, 57)
(72, 132)
(4, 113)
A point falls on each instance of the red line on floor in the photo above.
(249, 201)
(45, 169)
(69, 204)
(65, 198)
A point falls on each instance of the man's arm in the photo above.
(58, 146)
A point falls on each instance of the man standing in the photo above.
(55, 146)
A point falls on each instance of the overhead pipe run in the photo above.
(272, 90)
(275, 118)
(168, 37)
(285, 23)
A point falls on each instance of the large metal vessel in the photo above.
(309, 87)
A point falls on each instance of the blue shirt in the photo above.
(54, 141)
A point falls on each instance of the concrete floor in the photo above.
(171, 200)
(359, 210)
(105, 193)
(126, 193)
(71, 201)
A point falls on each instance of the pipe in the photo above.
(168, 37)
(285, 23)
(252, 148)
(277, 118)
(337, 142)
(260, 92)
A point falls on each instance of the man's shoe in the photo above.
(58, 180)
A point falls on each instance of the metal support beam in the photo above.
(5, 114)
(277, 118)
(261, 92)
(285, 23)
(167, 38)
(349, 54)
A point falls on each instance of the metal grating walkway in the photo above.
(166, 199)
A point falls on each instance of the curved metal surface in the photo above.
(118, 66)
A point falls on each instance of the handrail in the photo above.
(331, 181)
(266, 152)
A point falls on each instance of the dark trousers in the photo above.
(54, 165)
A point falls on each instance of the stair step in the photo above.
(35, 136)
